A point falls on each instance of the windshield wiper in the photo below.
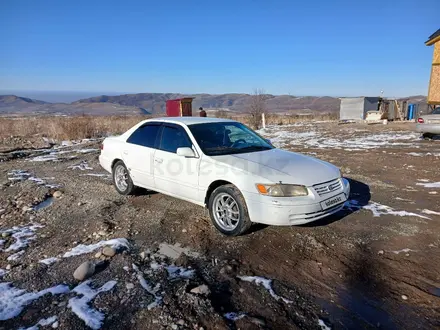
(255, 148)
(219, 150)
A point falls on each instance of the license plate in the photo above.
(333, 201)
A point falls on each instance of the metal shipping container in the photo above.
(355, 108)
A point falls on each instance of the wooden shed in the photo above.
(434, 83)
(179, 107)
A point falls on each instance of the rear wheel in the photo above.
(121, 179)
(228, 211)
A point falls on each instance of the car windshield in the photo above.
(225, 138)
(436, 111)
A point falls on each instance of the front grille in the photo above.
(329, 187)
(317, 214)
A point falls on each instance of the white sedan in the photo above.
(225, 166)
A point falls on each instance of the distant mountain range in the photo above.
(154, 103)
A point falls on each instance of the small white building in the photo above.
(355, 108)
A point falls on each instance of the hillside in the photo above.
(14, 105)
(13, 100)
(155, 102)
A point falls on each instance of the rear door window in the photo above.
(174, 137)
(146, 136)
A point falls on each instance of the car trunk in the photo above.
(431, 119)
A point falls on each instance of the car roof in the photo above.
(189, 120)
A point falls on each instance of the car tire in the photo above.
(231, 219)
(122, 186)
(428, 136)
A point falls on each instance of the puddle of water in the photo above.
(47, 202)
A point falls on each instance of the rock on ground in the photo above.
(84, 271)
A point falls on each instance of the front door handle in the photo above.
(158, 160)
(125, 152)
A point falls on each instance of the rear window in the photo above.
(436, 111)
(145, 136)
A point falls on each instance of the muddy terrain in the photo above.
(154, 262)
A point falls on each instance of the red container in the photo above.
(179, 107)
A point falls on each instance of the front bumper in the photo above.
(291, 210)
(428, 128)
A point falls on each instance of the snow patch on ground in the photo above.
(20, 175)
(49, 261)
(266, 283)
(280, 136)
(379, 209)
(152, 291)
(172, 270)
(3, 272)
(323, 325)
(43, 322)
(428, 184)
(104, 175)
(234, 316)
(44, 158)
(116, 243)
(13, 300)
(432, 193)
(403, 199)
(23, 235)
(426, 211)
(179, 272)
(15, 256)
(155, 266)
(80, 306)
(83, 166)
(420, 154)
(403, 251)
(86, 151)
(69, 143)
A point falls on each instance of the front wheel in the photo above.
(121, 179)
(228, 211)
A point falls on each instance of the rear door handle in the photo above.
(125, 152)
(158, 160)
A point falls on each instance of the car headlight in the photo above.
(282, 190)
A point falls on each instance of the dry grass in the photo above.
(274, 119)
(67, 128)
(80, 127)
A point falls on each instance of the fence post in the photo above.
(263, 119)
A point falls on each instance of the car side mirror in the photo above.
(185, 152)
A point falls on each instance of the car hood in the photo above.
(278, 165)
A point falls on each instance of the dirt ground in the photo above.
(376, 264)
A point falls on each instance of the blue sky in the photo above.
(338, 48)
